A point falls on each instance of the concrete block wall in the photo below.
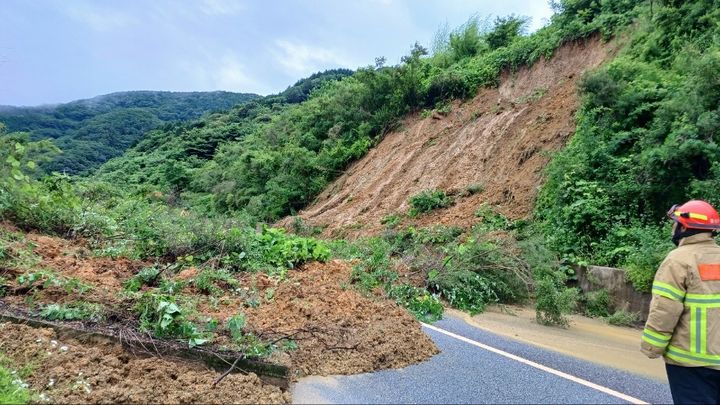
(622, 293)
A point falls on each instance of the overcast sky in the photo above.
(60, 50)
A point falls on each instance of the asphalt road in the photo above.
(466, 373)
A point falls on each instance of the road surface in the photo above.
(476, 366)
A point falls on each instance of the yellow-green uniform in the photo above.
(684, 321)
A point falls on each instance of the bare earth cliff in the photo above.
(501, 139)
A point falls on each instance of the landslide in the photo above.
(338, 330)
(69, 372)
(501, 140)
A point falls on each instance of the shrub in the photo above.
(425, 306)
(146, 276)
(492, 220)
(427, 201)
(209, 280)
(46, 278)
(597, 304)
(464, 290)
(623, 318)
(391, 220)
(161, 315)
(554, 301)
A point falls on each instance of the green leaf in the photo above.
(196, 342)
(166, 321)
(12, 161)
(30, 164)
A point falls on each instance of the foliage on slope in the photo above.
(169, 158)
(283, 162)
(89, 132)
(646, 139)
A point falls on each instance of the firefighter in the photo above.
(683, 325)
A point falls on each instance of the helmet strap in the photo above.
(681, 233)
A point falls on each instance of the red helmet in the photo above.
(695, 214)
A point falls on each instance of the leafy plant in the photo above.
(46, 278)
(427, 201)
(146, 276)
(491, 219)
(425, 306)
(209, 280)
(80, 310)
(597, 304)
(554, 301)
(390, 221)
(623, 318)
(161, 315)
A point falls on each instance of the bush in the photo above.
(597, 304)
(427, 201)
(554, 301)
(645, 139)
(161, 315)
(623, 318)
(464, 290)
(425, 306)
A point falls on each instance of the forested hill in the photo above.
(89, 132)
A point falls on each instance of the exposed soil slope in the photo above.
(501, 139)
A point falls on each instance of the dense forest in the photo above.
(646, 138)
(89, 132)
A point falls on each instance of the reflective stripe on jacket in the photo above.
(684, 320)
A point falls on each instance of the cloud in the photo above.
(97, 17)
(221, 7)
(299, 58)
(225, 73)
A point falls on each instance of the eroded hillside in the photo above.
(500, 140)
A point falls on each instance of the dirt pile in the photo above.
(64, 371)
(347, 332)
(337, 329)
(501, 140)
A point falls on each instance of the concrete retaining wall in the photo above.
(622, 293)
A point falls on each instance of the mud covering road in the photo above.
(465, 373)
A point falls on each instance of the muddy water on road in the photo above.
(586, 338)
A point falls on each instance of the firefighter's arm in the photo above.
(666, 307)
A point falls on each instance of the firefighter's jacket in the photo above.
(684, 321)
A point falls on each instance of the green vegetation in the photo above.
(118, 224)
(271, 157)
(161, 315)
(597, 304)
(623, 318)
(12, 388)
(89, 132)
(428, 201)
(199, 193)
(83, 311)
(45, 278)
(646, 139)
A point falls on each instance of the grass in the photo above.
(12, 388)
